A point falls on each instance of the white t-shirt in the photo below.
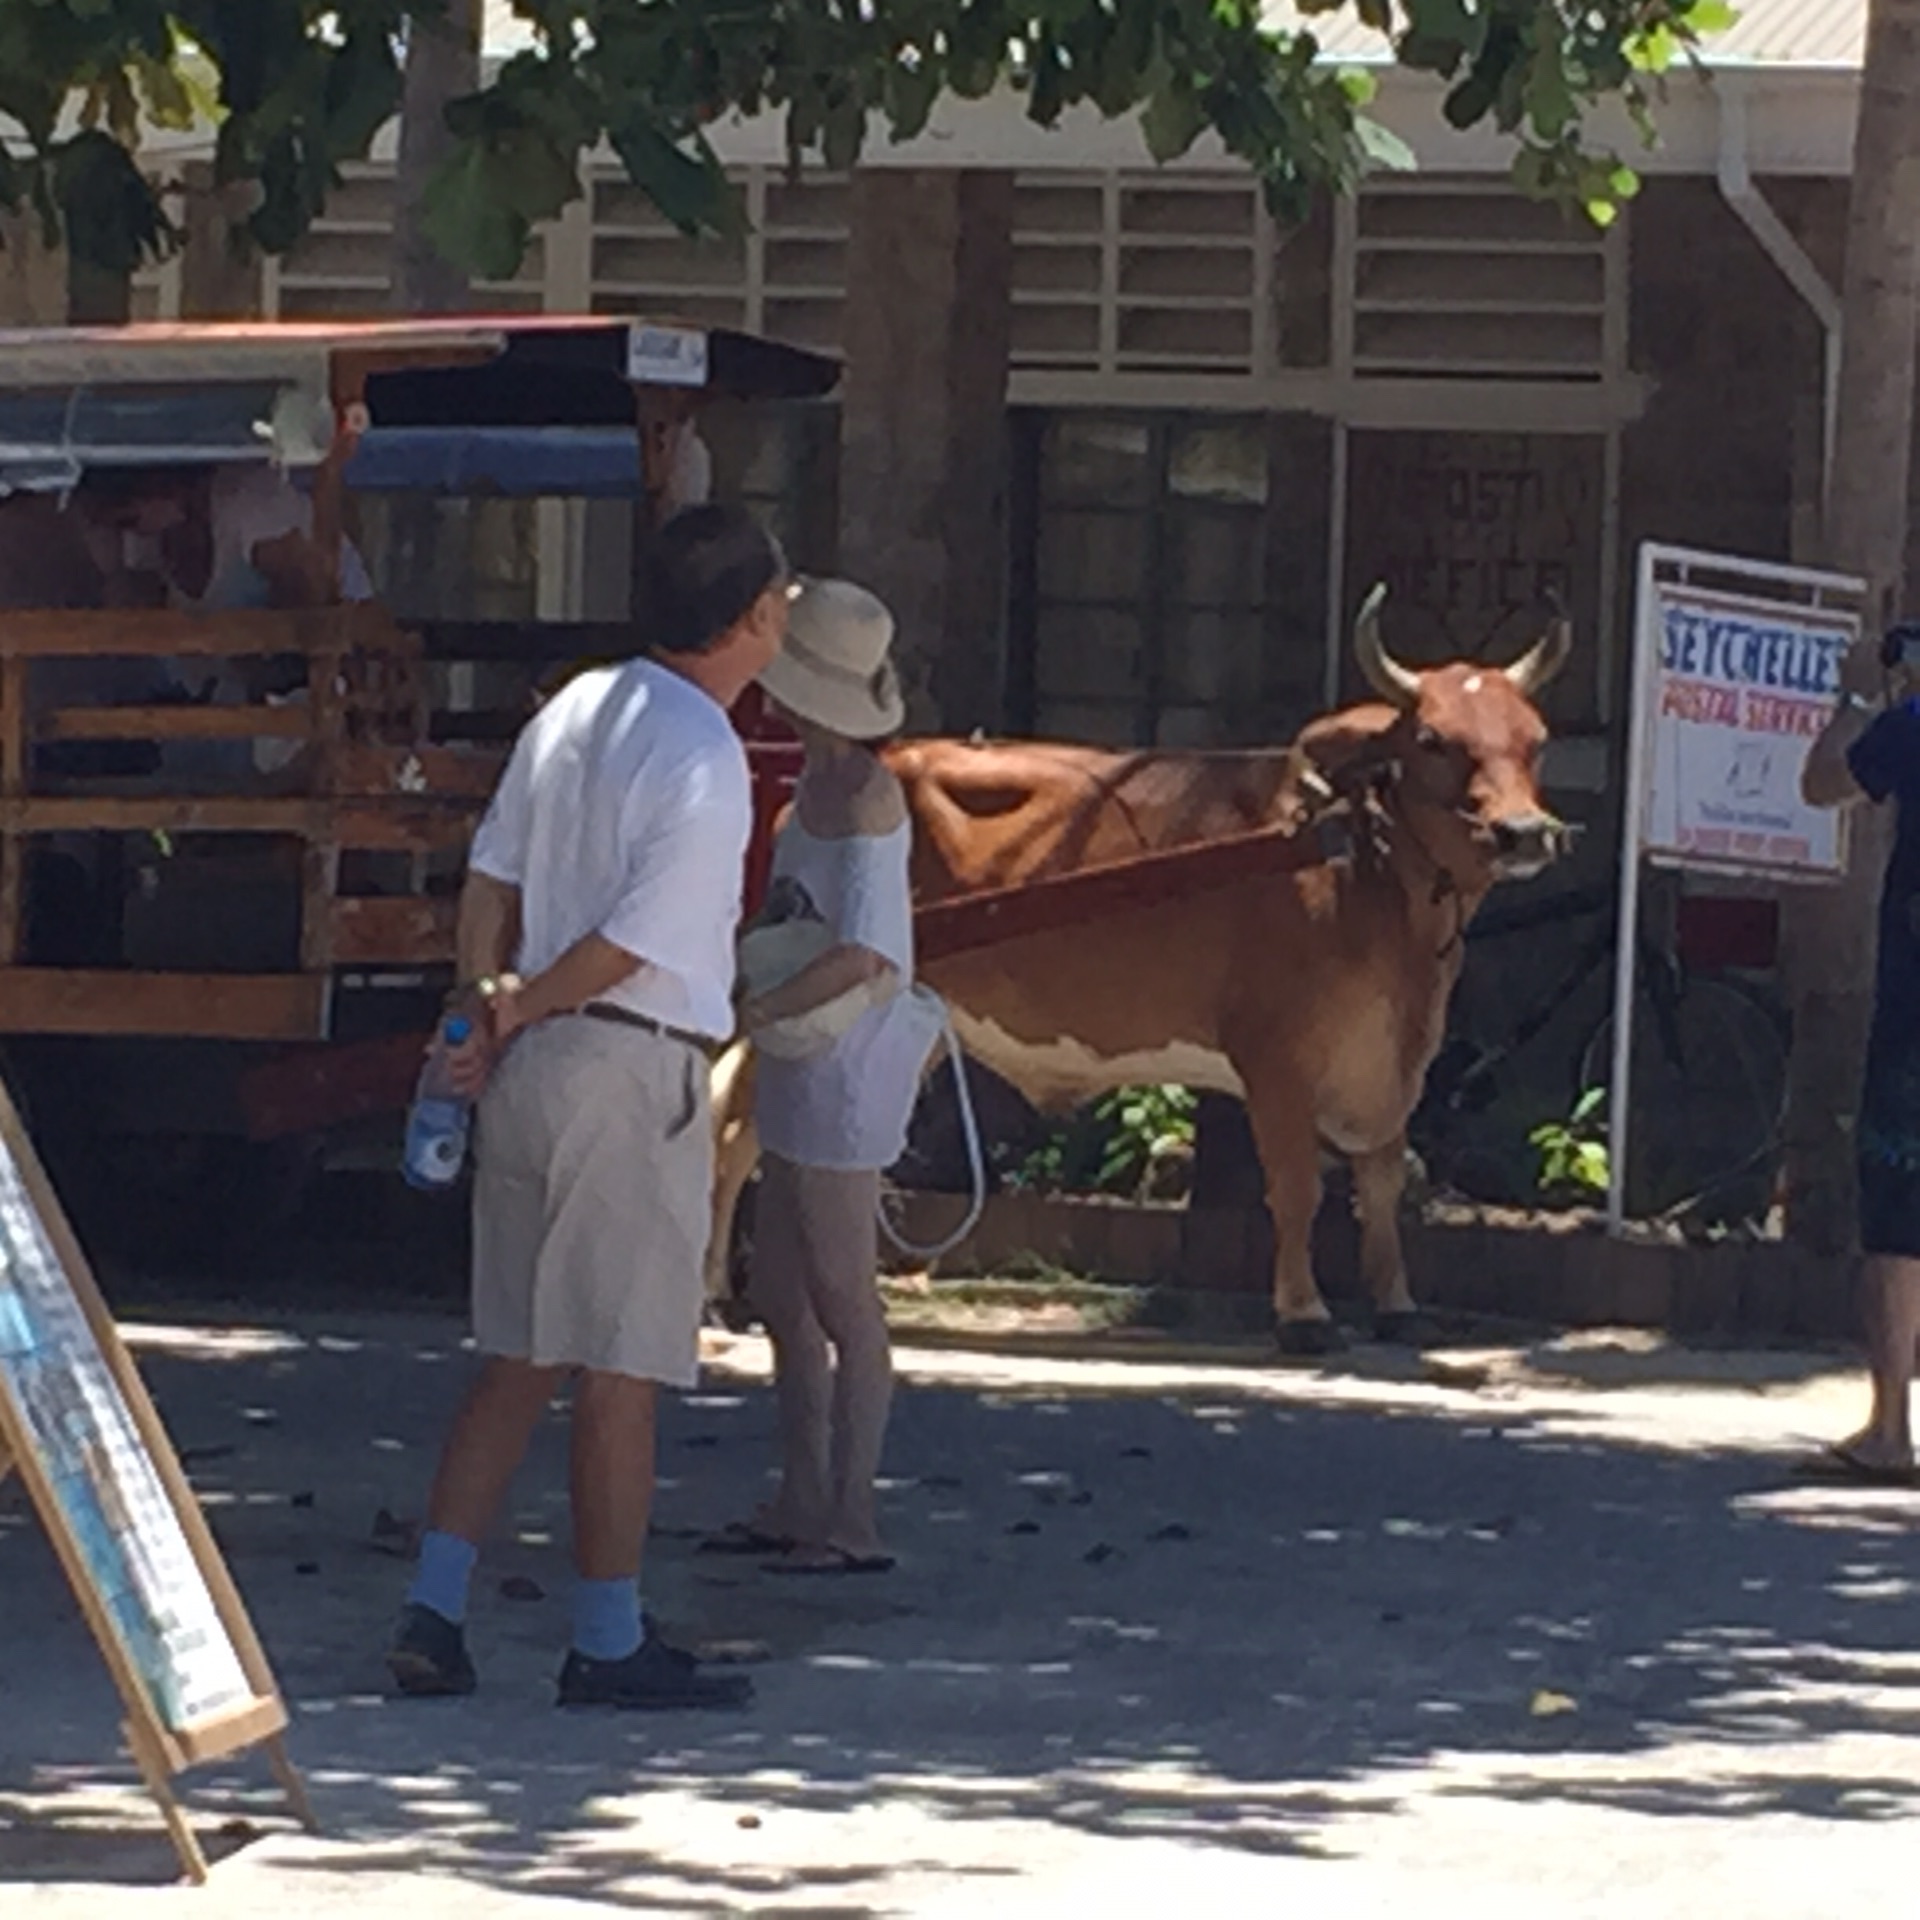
(625, 811)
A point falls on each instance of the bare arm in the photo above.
(488, 935)
(1826, 779)
(839, 970)
(593, 965)
(488, 932)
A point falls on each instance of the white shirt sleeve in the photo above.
(686, 845)
(500, 842)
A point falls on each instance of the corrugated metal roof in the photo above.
(1791, 33)
(1787, 33)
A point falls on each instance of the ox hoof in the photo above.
(1409, 1329)
(1304, 1339)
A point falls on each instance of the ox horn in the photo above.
(1536, 668)
(1384, 674)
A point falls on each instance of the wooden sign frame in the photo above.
(161, 1752)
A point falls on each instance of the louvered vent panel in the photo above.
(786, 276)
(641, 261)
(1061, 248)
(1140, 273)
(1470, 281)
(342, 266)
(1186, 290)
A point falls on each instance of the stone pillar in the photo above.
(923, 466)
(33, 277)
(220, 276)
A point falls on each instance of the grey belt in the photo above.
(626, 1017)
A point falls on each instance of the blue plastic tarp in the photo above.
(589, 463)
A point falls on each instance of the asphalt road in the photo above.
(1548, 1632)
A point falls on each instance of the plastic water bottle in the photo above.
(438, 1120)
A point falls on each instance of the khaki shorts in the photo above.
(593, 1201)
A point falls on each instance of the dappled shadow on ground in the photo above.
(1262, 1612)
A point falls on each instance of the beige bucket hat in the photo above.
(836, 668)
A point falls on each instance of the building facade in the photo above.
(1158, 447)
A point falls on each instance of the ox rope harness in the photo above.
(1363, 789)
(976, 1157)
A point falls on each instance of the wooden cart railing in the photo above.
(360, 780)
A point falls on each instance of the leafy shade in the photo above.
(298, 87)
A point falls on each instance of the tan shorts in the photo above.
(592, 1201)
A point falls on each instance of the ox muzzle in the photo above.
(1525, 845)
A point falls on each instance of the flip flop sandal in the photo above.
(1835, 1466)
(742, 1537)
(835, 1561)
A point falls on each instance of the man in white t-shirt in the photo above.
(596, 951)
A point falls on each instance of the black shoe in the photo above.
(429, 1654)
(655, 1676)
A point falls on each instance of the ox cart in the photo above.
(231, 835)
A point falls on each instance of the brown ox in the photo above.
(1317, 993)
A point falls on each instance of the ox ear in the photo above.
(1535, 670)
(1397, 685)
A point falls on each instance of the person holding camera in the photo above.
(1870, 752)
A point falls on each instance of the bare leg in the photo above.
(488, 1442)
(612, 1474)
(843, 1260)
(802, 1363)
(1893, 1329)
(1379, 1179)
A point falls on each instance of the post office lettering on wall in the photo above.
(1476, 536)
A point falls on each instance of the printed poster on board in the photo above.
(1740, 689)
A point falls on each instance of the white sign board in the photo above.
(666, 356)
(1737, 687)
(68, 1403)
(1736, 668)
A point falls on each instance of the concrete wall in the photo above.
(923, 466)
(1715, 462)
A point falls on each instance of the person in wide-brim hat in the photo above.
(826, 986)
(836, 671)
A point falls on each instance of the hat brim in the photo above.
(866, 711)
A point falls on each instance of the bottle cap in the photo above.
(459, 1030)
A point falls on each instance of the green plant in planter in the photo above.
(1574, 1163)
(1112, 1145)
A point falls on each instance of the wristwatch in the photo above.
(486, 989)
(1858, 702)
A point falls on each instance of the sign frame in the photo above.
(160, 1751)
(1841, 599)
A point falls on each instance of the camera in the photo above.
(1900, 646)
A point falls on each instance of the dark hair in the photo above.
(701, 574)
